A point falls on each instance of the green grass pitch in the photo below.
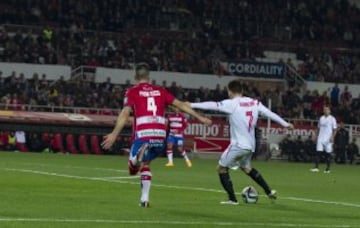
(55, 190)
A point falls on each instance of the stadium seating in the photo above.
(83, 144)
(95, 144)
(56, 143)
(70, 144)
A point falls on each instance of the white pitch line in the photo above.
(64, 175)
(174, 187)
(162, 222)
(115, 178)
(321, 201)
(72, 167)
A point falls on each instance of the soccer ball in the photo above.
(250, 194)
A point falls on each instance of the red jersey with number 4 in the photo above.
(177, 124)
(148, 103)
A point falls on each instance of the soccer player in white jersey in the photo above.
(243, 115)
(326, 133)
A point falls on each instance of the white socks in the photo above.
(145, 183)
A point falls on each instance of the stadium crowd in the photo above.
(16, 91)
(241, 20)
(185, 36)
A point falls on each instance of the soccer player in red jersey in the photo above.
(148, 103)
(177, 124)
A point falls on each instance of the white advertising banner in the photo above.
(187, 80)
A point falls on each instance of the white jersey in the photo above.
(243, 115)
(326, 125)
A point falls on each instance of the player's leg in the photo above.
(319, 150)
(245, 165)
(328, 156)
(154, 149)
(139, 160)
(145, 172)
(226, 183)
(180, 147)
(137, 152)
(226, 160)
(169, 151)
(145, 178)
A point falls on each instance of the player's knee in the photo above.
(221, 169)
(246, 170)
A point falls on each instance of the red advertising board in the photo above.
(57, 118)
(215, 138)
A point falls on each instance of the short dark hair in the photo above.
(236, 86)
(142, 71)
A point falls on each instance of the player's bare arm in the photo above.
(130, 120)
(291, 126)
(333, 135)
(273, 116)
(121, 121)
(186, 108)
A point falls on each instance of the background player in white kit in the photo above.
(243, 115)
(326, 133)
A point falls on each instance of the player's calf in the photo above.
(133, 169)
(226, 183)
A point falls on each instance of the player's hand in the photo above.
(205, 120)
(108, 141)
(188, 103)
(290, 127)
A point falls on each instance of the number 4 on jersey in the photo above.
(151, 106)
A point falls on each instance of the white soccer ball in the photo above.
(250, 194)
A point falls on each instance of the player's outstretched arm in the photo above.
(121, 121)
(275, 117)
(223, 106)
(186, 108)
(206, 105)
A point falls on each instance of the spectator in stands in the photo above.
(334, 96)
(35, 143)
(309, 148)
(298, 150)
(307, 102)
(346, 96)
(353, 151)
(11, 142)
(3, 140)
(341, 142)
(318, 103)
(286, 146)
(20, 139)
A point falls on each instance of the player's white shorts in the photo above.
(324, 146)
(234, 157)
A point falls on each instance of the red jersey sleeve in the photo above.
(129, 98)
